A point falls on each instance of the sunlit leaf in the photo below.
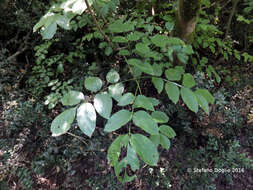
(72, 98)
(112, 76)
(103, 105)
(86, 118)
(62, 123)
(93, 84)
(116, 91)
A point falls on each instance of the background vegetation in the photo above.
(183, 66)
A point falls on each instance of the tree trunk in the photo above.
(187, 14)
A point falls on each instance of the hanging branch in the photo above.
(97, 24)
(109, 41)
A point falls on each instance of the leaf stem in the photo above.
(78, 137)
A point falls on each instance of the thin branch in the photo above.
(78, 137)
(230, 17)
(97, 24)
(17, 53)
(109, 41)
(23, 47)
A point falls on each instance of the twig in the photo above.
(23, 47)
(109, 41)
(98, 26)
(78, 137)
(230, 17)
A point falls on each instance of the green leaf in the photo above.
(143, 66)
(206, 94)
(142, 48)
(112, 76)
(211, 69)
(173, 74)
(202, 102)
(118, 170)
(115, 149)
(172, 91)
(189, 99)
(142, 101)
(48, 19)
(49, 31)
(160, 40)
(154, 101)
(158, 83)
(160, 117)
(135, 36)
(188, 80)
(108, 51)
(124, 52)
(155, 139)
(126, 99)
(75, 6)
(118, 26)
(132, 158)
(93, 84)
(167, 130)
(103, 105)
(169, 25)
(86, 118)
(64, 22)
(118, 120)
(165, 142)
(175, 41)
(116, 91)
(119, 39)
(60, 68)
(158, 69)
(72, 98)
(62, 123)
(143, 120)
(183, 58)
(145, 149)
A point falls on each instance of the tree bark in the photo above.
(187, 14)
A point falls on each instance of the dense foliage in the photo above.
(126, 81)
